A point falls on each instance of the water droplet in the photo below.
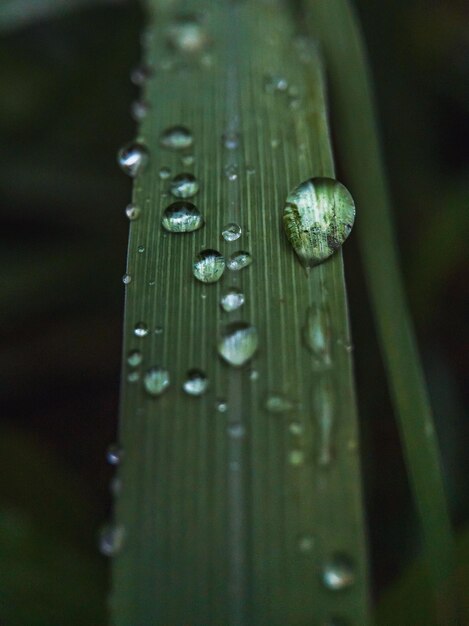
(164, 173)
(141, 249)
(236, 430)
(132, 158)
(196, 383)
(209, 265)
(296, 428)
(296, 457)
(156, 380)
(140, 329)
(294, 103)
(187, 35)
(182, 217)
(233, 299)
(126, 279)
(305, 543)
(133, 377)
(279, 404)
(231, 172)
(317, 335)
(184, 185)
(231, 140)
(139, 110)
(114, 454)
(238, 343)
(254, 375)
(176, 138)
(221, 406)
(158, 330)
(318, 218)
(134, 358)
(239, 260)
(231, 232)
(140, 74)
(275, 143)
(273, 83)
(188, 159)
(338, 573)
(111, 539)
(132, 212)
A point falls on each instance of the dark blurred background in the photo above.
(64, 110)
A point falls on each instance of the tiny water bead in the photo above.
(184, 185)
(132, 212)
(132, 158)
(187, 159)
(305, 543)
(208, 266)
(276, 403)
(187, 35)
(114, 454)
(133, 377)
(126, 279)
(221, 406)
(196, 383)
(273, 83)
(238, 343)
(338, 573)
(176, 138)
(156, 381)
(317, 335)
(231, 172)
(231, 232)
(134, 358)
(236, 430)
(232, 300)
(318, 217)
(239, 260)
(182, 217)
(139, 110)
(164, 173)
(296, 457)
(141, 329)
(140, 74)
(231, 140)
(111, 539)
(141, 249)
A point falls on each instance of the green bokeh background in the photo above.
(64, 111)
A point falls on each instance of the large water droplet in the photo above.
(134, 358)
(184, 185)
(233, 299)
(196, 383)
(114, 454)
(176, 138)
(338, 573)
(231, 232)
(111, 539)
(132, 158)
(182, 217)
(132, 212)
(317, 335)
(238, 343)
(140, 329)
(187, 35)
(239, 260)
(156, 380)
(209, 265)
(318, 218)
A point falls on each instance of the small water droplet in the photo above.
(231, 172)
(176, 138)
(338, 573)
(132, 158)
(296, 457)
(158, 330)
(140, 329)
(305, 543)
(139, 110)
(164, 173)
(275, 143)
(238, 343)
(317, 335)
(156, 380)
(254, 375)
(196, 383)
(318, 218)
(208, 266)
(273, 83)
(188, 159)
(187, 35)
(141, 249)
(231, 140)
(239, 260)
(111, 539)
(126, 279)
(233, 299)
(184, 185)
(182, 217)
(236, 430)
(114, 454)
(294, 103)
(296, 428)
(250, 171)
(133, 377)
(133, 212)
(231, 232)
(221, 406)
(276, 403)
(140, 74)
(134, 358)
